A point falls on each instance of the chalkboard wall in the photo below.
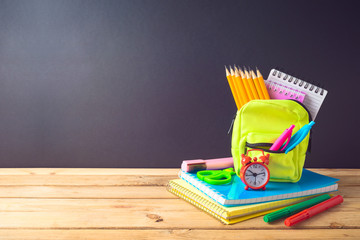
(141, 83)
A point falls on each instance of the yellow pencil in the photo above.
(246, 85)
(257, 85)
(232, 73)
(240, 87)
(251, 84)
(232, 87)
(262, 84)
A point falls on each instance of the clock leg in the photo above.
(246, 187)
(263, 188)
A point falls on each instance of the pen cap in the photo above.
(318, 208)
(276, 215)
(296, 218)
(299, 136)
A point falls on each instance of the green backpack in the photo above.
(258, 124)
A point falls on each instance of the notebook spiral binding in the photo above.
(299, 82)
(197, 201)
(292, 93)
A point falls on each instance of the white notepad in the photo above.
(314, 95)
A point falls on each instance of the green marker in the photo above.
(291, 210)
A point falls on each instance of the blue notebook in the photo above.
(234, 193)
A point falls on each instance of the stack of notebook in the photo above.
(231, 203)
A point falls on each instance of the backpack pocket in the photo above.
(283, 167)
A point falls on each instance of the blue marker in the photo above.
(299, 136)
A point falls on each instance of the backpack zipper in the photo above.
(310, 119)
(259, 145)
(301, 104)
(232, 124)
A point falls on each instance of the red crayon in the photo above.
(318, 208)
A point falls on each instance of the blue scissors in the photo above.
(216, 177)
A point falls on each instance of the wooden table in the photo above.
(110, 204)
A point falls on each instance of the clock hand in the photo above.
(261, 173)
(250, 171)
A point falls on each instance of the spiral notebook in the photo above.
(234, 194)
(314, 95)
(227, 215)
(278, 91)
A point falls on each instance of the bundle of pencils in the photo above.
(246, 85)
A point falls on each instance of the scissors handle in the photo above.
(216, 177)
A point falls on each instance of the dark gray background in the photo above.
(142, 84)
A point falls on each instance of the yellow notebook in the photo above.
(227, 215)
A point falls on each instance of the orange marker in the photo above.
(257, 85)
(262, 84)
(232, 88)
(251, 84)
(246, 85)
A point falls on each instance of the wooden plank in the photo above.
(141, 171)
(96, 192)
(149, 214)
(70, 205)
(90, 171)
(86, 176)
(120, 177)
(163, 234)
(106, 192)
(84, 180)
(100, 180)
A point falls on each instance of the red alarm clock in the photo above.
(253, 173)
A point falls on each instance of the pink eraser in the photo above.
(219, 163)
(210, 164)
(185, 166)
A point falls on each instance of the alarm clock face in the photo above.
(256, 175)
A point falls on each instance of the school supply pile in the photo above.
(231, 203)
(271, 136)
(226, 214)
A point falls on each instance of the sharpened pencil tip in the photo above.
(232, 71)
(237, 72)
(253, 74)
(227, 72)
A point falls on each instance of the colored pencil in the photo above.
(247, 86)
(240, 87)
(251, 83)
(232, 87)
(262, 84)
(257, 85)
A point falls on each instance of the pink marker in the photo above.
(286, 135)
(211, 164)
